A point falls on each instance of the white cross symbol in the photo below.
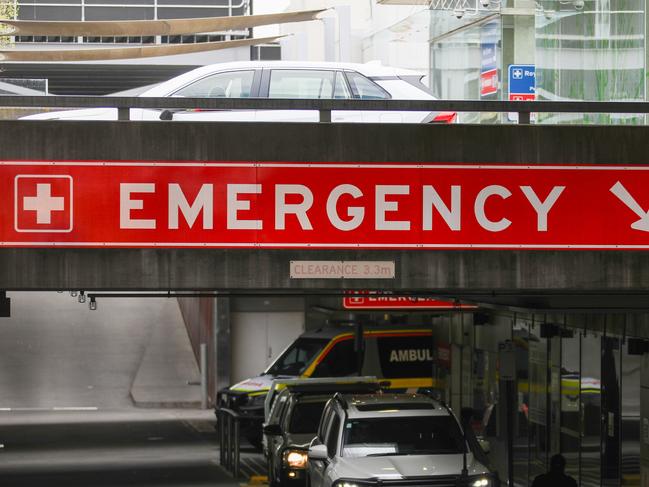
(518, 74)
(44, 203)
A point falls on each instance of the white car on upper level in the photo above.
(276, 80)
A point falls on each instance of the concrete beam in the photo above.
(192, 269)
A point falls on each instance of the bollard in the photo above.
(230, 440)
(236, 452)
(203, 375)
(219, 419)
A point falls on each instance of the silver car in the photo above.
(392, 440)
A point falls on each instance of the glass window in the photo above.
(418, 435)
(305, 417)
(365, 89)
(630, 418)
(301, 83)
(590, 399)
(324, 422)
(570, 390)
(521, 425)
(332, 437)
(233, 84)
(277, 409)
(341, 91)
(340, 361)
(537, 412)
(610, 410)
(297, 357)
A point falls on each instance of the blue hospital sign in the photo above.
(522, 82)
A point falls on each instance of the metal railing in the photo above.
(229, 433)
(228, 425)
(123, 105)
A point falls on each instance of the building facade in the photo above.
(102, 77)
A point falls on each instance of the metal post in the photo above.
(225, 440)
(523, 118)
(509, 405)
(203, 375)
(123, 113)
(222, 348)
(325, 116)
(221, 430)
(158, 39)
(83, 18)
(229, 441)
(235, 444)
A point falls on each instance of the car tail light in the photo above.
(444, 117)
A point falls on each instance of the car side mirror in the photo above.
(484, 444)
(273, 430)
(167, 115)
(318, 452)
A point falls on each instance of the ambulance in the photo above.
(402, 357)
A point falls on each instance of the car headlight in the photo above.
(256, 400)
(351, 483)
(481, 481)
(296, 459)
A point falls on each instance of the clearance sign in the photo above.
(322, 205)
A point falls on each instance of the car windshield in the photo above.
(296, 358)
(306, 417)
(414, 435)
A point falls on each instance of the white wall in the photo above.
(371, 37)
(258, 338)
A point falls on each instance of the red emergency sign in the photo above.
(323, 205)
(400, 302)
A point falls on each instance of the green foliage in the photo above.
(8, 10)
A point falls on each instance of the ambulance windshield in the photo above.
(295, 360)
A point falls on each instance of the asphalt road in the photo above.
(109, 448)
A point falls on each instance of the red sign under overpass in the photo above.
(323, 205)
(401, 302)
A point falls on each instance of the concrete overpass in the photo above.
(507, 276)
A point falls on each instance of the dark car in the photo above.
(293, 422)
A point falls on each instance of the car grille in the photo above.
(437, 481)
(232, 399)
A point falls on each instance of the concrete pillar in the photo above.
(222, 343)
(344, 33)
(329, 24)
(519, 37)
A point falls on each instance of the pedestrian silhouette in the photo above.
(556, 477)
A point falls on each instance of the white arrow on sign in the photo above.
(621, 192)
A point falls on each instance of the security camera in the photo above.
(484, 3)
(578, 4)
(459, 12)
